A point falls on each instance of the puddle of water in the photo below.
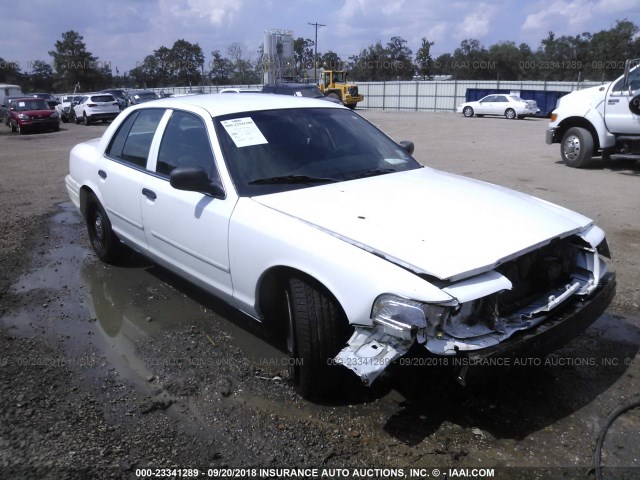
(112, 307)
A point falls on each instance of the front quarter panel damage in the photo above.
(489, 309)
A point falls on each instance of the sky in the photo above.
(122, 32)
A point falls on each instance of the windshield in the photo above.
(310, 92)
(35, 104)
(277, 150)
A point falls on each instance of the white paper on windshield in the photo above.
(21, 104)
(298, 94)
(244, 132)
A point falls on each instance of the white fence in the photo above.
(443, 96)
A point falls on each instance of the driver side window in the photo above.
(185, 143)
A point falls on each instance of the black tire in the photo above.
(576, 148)
(352, 106)
(510, 113)
(19, 129)
(316, 332)
(467, 112)
(76, 120)
(520, 117)
(104, 242)
(85, 119)
(479, 116)
(13, 127)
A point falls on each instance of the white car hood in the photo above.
(431, 222)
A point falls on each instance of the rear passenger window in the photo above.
(132, 141)
(185, 143)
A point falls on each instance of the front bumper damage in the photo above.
(371, 350)
(537, 328)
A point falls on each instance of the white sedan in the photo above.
(511, 106)
(306, 217)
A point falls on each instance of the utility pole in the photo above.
(315, 55)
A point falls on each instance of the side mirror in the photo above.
(634, 105)
(407, 146)
(195, 179)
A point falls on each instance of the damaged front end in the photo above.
(548, 286)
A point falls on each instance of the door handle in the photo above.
(150, 194)
(102, 174)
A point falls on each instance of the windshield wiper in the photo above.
(374, 172)
(292, 179)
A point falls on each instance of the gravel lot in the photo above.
(105, 370)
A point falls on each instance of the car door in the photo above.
(484, 105)
(617, 115)
(188, 230)
(500, 105)
(122, 172)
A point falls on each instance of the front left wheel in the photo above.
(467, 112)
(317, 330)
(103, 240)
(576, 148)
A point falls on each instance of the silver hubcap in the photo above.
(572, 147)
(467, 112)
(98, 228)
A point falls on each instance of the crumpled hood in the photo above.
(431, 222)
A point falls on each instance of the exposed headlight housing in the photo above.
(408, 319)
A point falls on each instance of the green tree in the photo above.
(10, 72)
(187, 61)
(220, 69)
(330, 61)
(41, 77)
(73, 63)
(424, 61)
(471, 61)
(303, 55)
(400, 61)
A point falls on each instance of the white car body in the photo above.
(63, 108)
(94, 107)
(501, 104)
(393, 241)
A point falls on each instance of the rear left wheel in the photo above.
(104, 242)
(510, 113)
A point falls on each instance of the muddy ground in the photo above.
(106, 370)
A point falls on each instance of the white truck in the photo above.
(602, 120)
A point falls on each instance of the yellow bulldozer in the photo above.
(333, 83)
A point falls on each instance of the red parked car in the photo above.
(29, 113)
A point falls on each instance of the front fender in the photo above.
(261, 238)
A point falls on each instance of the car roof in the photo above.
(217, 105)
(26, 97)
